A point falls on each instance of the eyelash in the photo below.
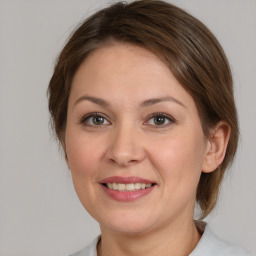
(85, 119)
(170, 119)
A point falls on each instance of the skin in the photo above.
(129, 142)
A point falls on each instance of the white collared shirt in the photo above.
(209, 245)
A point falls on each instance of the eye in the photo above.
(160, 119)
(94, 119)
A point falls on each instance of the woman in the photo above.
(142, 103)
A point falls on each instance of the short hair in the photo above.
(183, 43)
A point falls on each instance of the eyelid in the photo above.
(153, 115)
(93, 114)
(161, 114)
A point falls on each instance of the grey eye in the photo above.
(160, 120)
(98, 120)
(95, 120)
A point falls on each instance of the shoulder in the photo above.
(212, 245)
(90, 250)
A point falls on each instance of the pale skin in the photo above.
(129, 87)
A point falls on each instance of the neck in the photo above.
(176, 239)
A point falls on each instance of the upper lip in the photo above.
(126, 180)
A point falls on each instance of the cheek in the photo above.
(84, 156)
(83, 153)
(178, 160)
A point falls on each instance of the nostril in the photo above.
(123, 161)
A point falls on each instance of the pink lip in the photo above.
(126, 196)
(126, 180)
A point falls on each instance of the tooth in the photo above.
(121, 186)
(129, 187)
(115, 186)
(137, 186)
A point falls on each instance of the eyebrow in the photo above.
(153, 101)
(145, 103)
(95, 100)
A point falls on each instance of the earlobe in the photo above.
(67, 161)
(63, 144)
(216, 146)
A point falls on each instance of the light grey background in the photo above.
(39, 211)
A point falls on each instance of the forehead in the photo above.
(120, 59)
(126, 72)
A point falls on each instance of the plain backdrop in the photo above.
(39, 211)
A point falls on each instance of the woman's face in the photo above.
(134, 141)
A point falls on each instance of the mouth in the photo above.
(128, 187)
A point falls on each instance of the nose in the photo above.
(126, 147)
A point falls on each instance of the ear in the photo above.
(63, 145)
(67, 160)
(216, 146)
(66, 155)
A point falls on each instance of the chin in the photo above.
(128, 224)
(127, 228)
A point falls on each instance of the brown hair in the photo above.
(188, 48)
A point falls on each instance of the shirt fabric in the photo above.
(209, 245)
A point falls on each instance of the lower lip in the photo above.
(127, 196)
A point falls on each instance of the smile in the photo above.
(128, 187)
